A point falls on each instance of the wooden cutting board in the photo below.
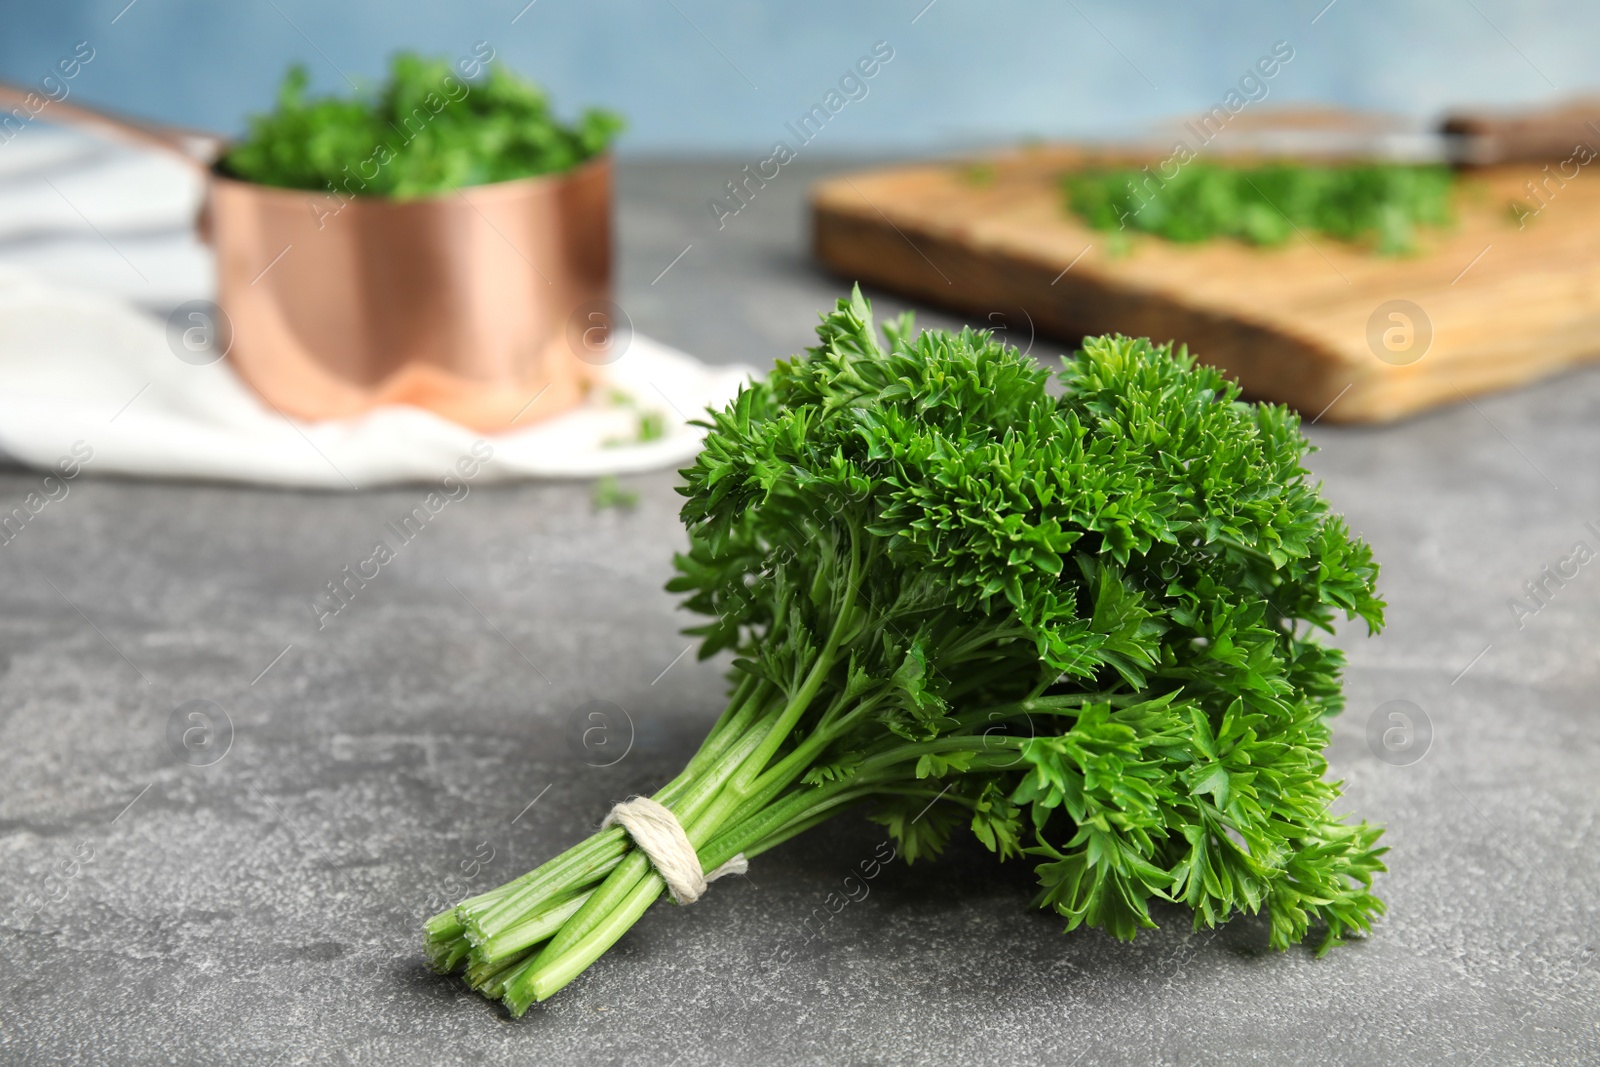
(1483, 305)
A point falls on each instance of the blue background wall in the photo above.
(723, 76)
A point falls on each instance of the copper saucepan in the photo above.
(471, 304)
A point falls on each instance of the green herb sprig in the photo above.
(1384, 204)
(425, 132)
(1081, 626)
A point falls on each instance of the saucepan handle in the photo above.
(198, 149)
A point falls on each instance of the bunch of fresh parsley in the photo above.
(1080, 625)
(426, 131)
(1266, 205)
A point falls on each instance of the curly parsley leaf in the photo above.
(424, 132)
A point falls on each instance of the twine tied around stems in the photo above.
(660, 836)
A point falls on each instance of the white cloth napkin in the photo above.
(87, 230)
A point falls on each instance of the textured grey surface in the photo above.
(264, 909)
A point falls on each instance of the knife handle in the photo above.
(1484, 138)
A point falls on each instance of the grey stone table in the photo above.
(264, 908)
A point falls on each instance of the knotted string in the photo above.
(660, 836)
